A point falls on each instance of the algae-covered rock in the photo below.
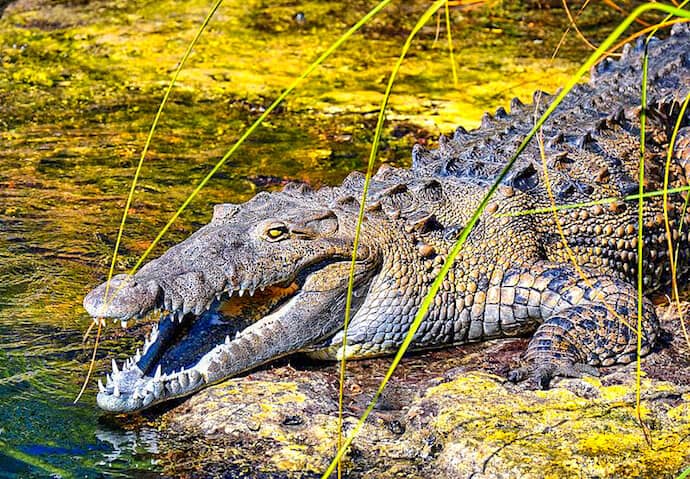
(445, 414)
(583, 428)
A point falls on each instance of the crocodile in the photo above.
(269, 277)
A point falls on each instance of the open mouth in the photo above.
(170, 362)
(239, 330)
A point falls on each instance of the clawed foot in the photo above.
(544, 371)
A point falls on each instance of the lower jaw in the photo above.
(155, 376)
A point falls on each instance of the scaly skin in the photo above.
(513, 276)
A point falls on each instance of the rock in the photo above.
(447, 414)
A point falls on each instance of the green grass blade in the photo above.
(450, 46)
(295, 83)
(137, 173)
(34, 462)
(149, 138)
(671, 146)
(603, 201)
(685, 474)
(640, 239)
(360, 219)
(435, 286)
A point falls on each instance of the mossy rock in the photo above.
(445, 414)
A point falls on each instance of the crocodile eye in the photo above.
(276, 233)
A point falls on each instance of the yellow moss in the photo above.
(548, 429)
(291, 458)
(605, 443)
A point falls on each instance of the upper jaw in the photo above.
(122, 298)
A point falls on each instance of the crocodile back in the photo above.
(589, 151)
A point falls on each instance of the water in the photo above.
(79, 85)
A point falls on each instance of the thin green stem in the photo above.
(295, 83)
(640, 240)
(673, 256)
(34, 461)
(450, 46)
(603, 201)
(685, 474)
(137, 172)
(149, 139)
(360, 219)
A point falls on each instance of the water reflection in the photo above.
(127, 444)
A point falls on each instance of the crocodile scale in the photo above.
(567, 278)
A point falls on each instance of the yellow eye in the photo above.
(276, 232)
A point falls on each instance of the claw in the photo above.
(544, 372)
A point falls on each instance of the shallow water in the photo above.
(79, 85)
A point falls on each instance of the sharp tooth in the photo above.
(101, 388)
(137, 355)
(159, 371)
(116, 391)
(116, 370)
(241, 292)
(184, 380)
(174, 386)
(251, 291)
(123, 323)
(108, 380)
(227, 339)
(262, 287)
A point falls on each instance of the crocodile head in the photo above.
(260, 281)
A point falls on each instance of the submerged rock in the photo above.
(445, 414)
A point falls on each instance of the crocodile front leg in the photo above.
(588, 322)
